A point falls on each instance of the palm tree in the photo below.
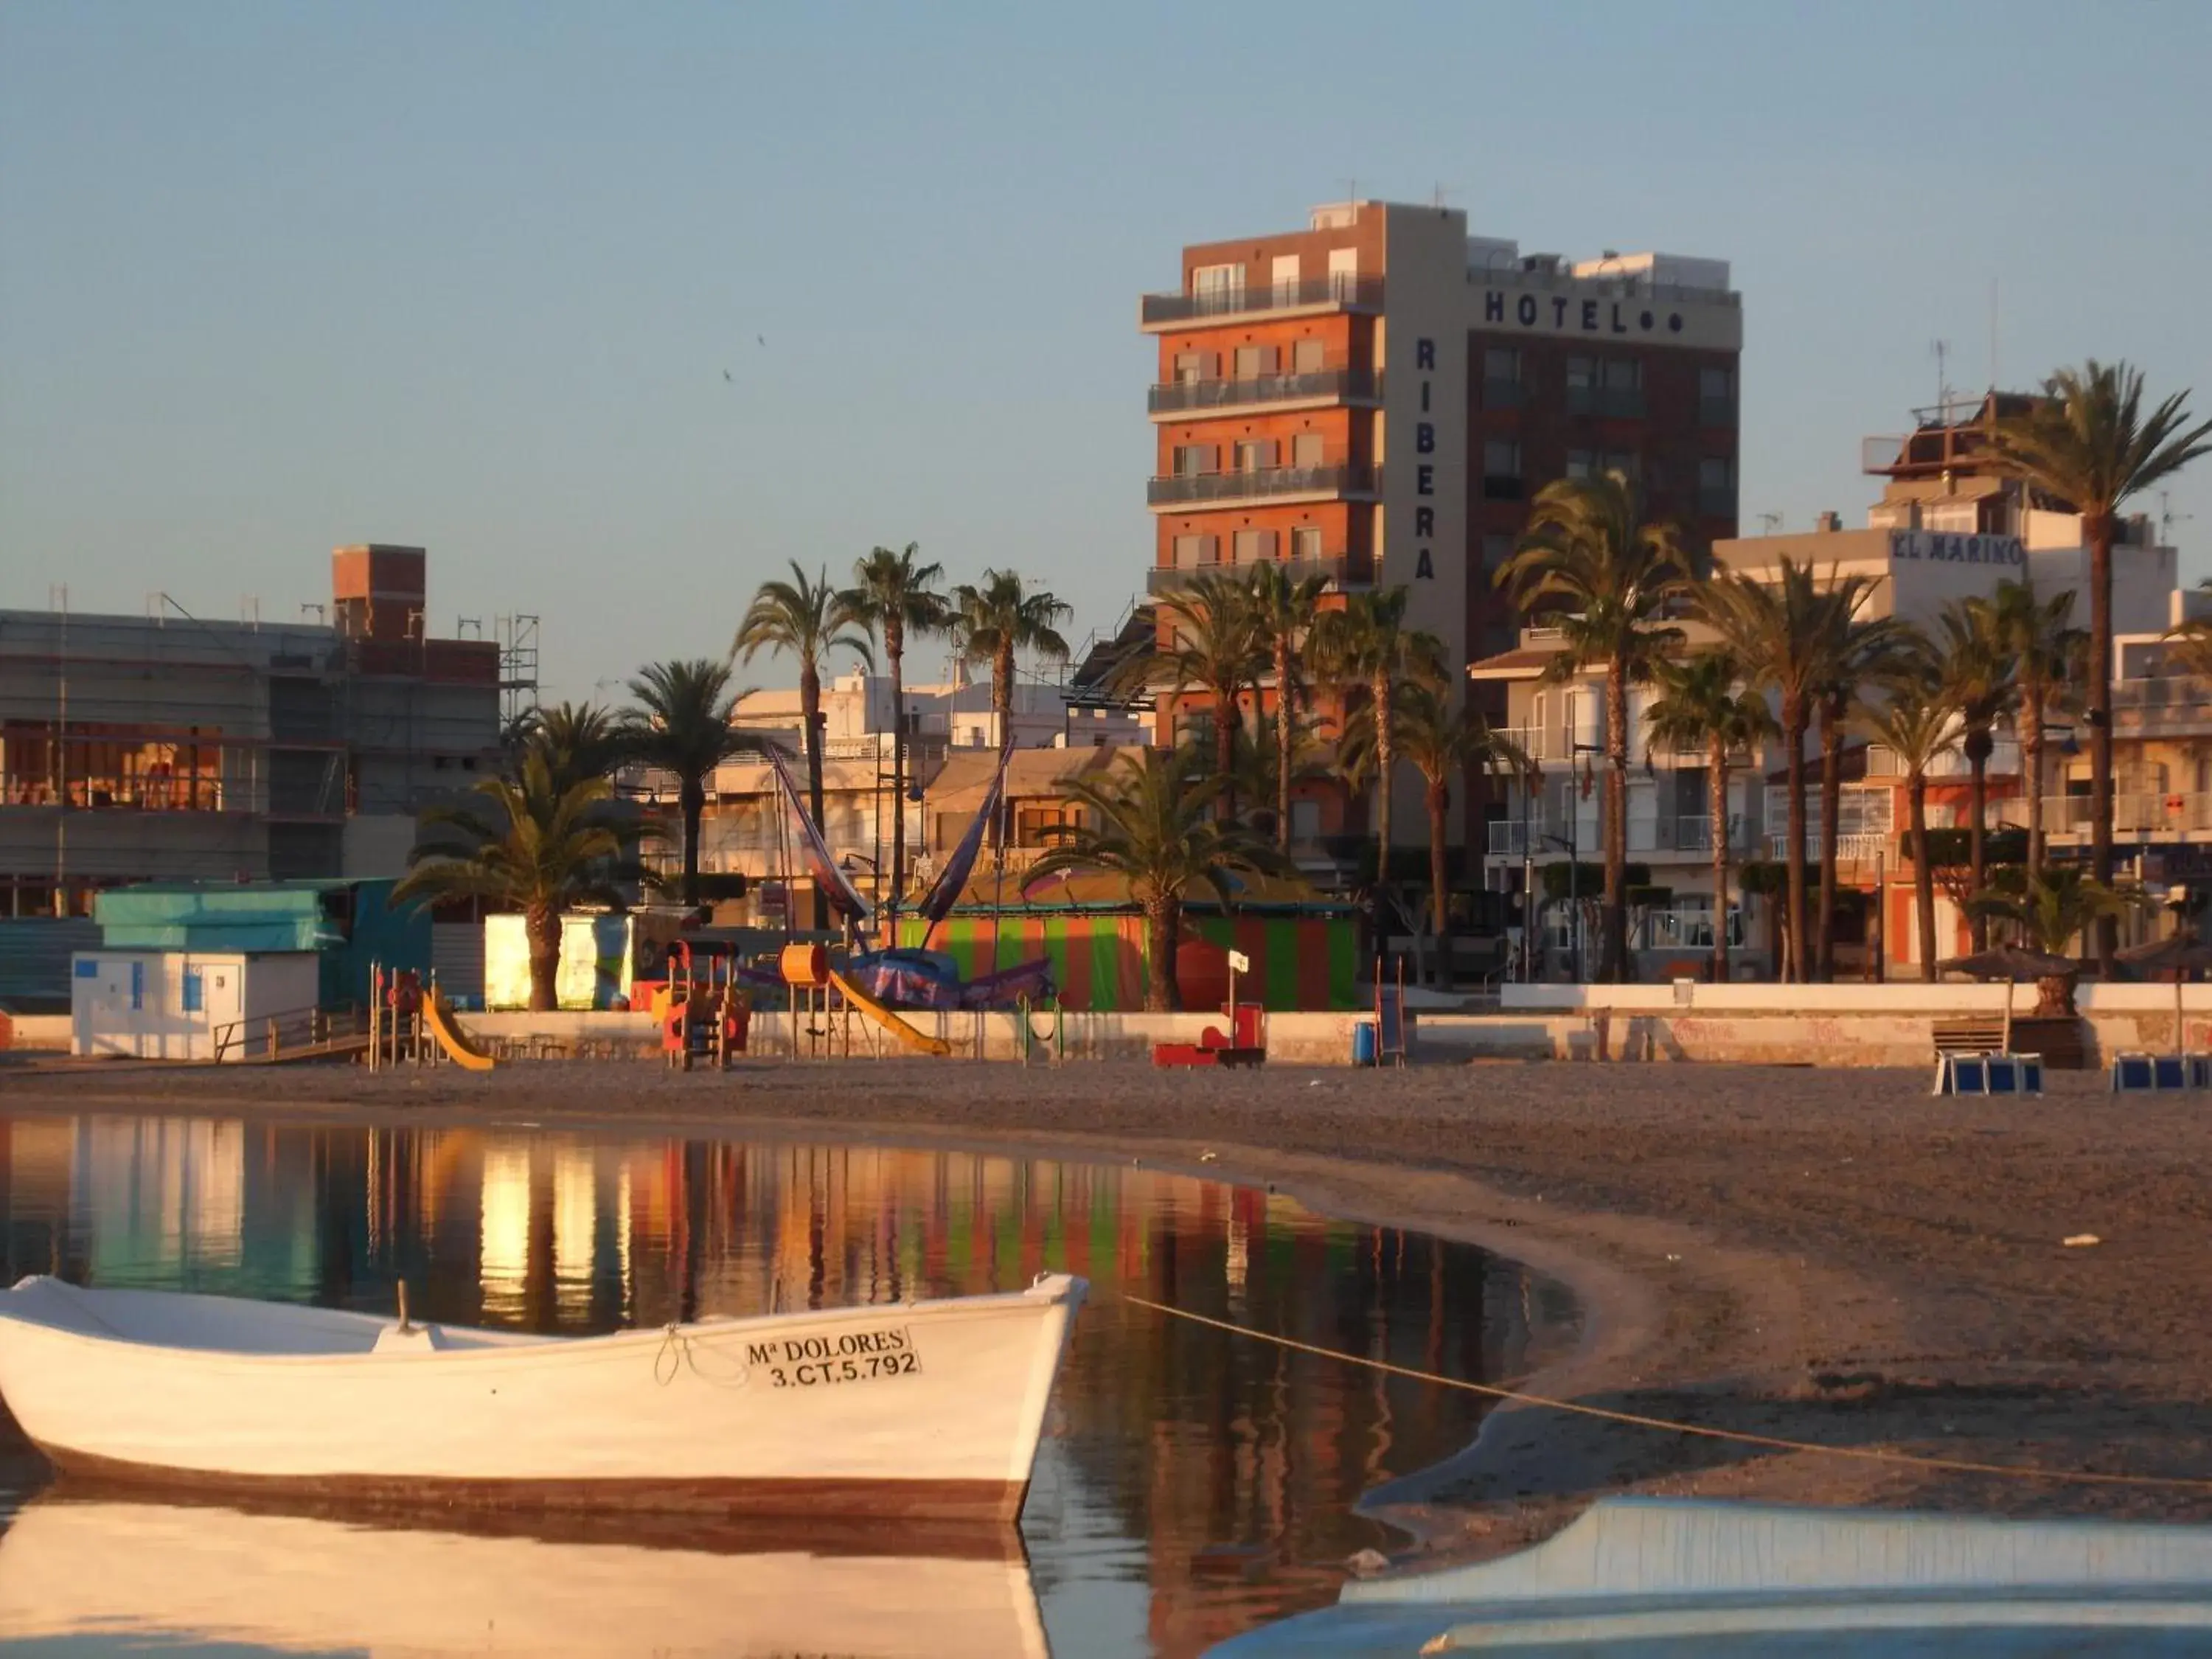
(1611, 581)
(1215, 646)
(1366, 646)
(2190, 648)
(1285, 609)
(1149, 818)
(2045, 647)
(1442, 740)
(893, 597)
(532, 843)
(808, 619)
(1859, 649)
(1974, 661)
(580, 741)
(1782, 632)
(2050, 911)
(999, 618)
(1915, 721)
(2088, 445)
(681, 725)
(1258, 770)
(1702, 704)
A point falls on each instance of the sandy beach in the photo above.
(1827, 1256)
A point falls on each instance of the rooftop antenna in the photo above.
(1993, 334)
(1770, 523)
(2167, 518)
(1941, 351)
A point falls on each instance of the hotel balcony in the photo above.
(1340, 572)
(2171, 705)
(1852, 846)
(1158, 312)
(1272, 483)
(2137, 815)
(1318, 388)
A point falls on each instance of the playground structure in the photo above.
(1245, 1043)
(824, 1000)
(702, 1015)
(409, 1024)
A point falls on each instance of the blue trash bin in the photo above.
(1362, 1043)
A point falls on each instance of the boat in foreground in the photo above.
(928, 1409)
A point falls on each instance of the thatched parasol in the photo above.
(2181, 953)
(2012, 962)
(2052, 976)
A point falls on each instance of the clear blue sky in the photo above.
(274, 278)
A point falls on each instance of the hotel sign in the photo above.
(1936, 547)
(1711, 326)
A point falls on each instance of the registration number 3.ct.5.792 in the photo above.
(814, 1362)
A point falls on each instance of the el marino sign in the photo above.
(1937, 547)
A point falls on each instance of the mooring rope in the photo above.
(1634, 1419)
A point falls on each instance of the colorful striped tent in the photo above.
(1305, 953)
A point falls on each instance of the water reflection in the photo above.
(1191, 1486)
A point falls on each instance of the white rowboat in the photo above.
(919, 1408)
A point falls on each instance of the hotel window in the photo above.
(1501, 470)
(1717, 487)
(1306, 449)
(1621, 393)
(1305, 542)
(1189, 367)
(1496, 550)
(1256, 546)
(1253, 361)
(1626, 463)
(1217, 287)
(1283, 272)
(1192, 551)
(1343, 271)
(1306, 356)
(1582, 385)
(1580, 462)
(1501, 378)
(1716, 397)
(1191, 460)
(1255, 455)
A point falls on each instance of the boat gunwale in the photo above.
(1052, 1291)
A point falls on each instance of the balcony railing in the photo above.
(1851, 845)
(1193, 396)
(2135, 814)
(1349, 292)
(1686, 833)
(1345, 573)
(1344, 478)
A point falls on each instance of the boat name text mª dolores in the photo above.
(808, 1362)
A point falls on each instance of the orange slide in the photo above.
(920, 1041)
(458, 1048)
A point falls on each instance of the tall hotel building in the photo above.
(1378, 397)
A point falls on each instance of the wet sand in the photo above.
(1828, 1256)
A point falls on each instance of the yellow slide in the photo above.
(920, 1042)
(458, 1049)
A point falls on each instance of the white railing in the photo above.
(2136, 813)
(1862, 846)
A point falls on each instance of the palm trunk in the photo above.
(1977, 811)
(2098, 526)
(1793, 849)
(895, 649)
(1924, 872)
(1832, 812)
(1226, 719)
(1612, 968)
(1439, 804)
(1162, 929)
(1002, 706)
(810, 710)
(2031, 755)
(693, 799)
(541, 927)
(1285, 744)
(1385, 768)
(1716, 811)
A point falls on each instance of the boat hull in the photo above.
(925, 1410)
